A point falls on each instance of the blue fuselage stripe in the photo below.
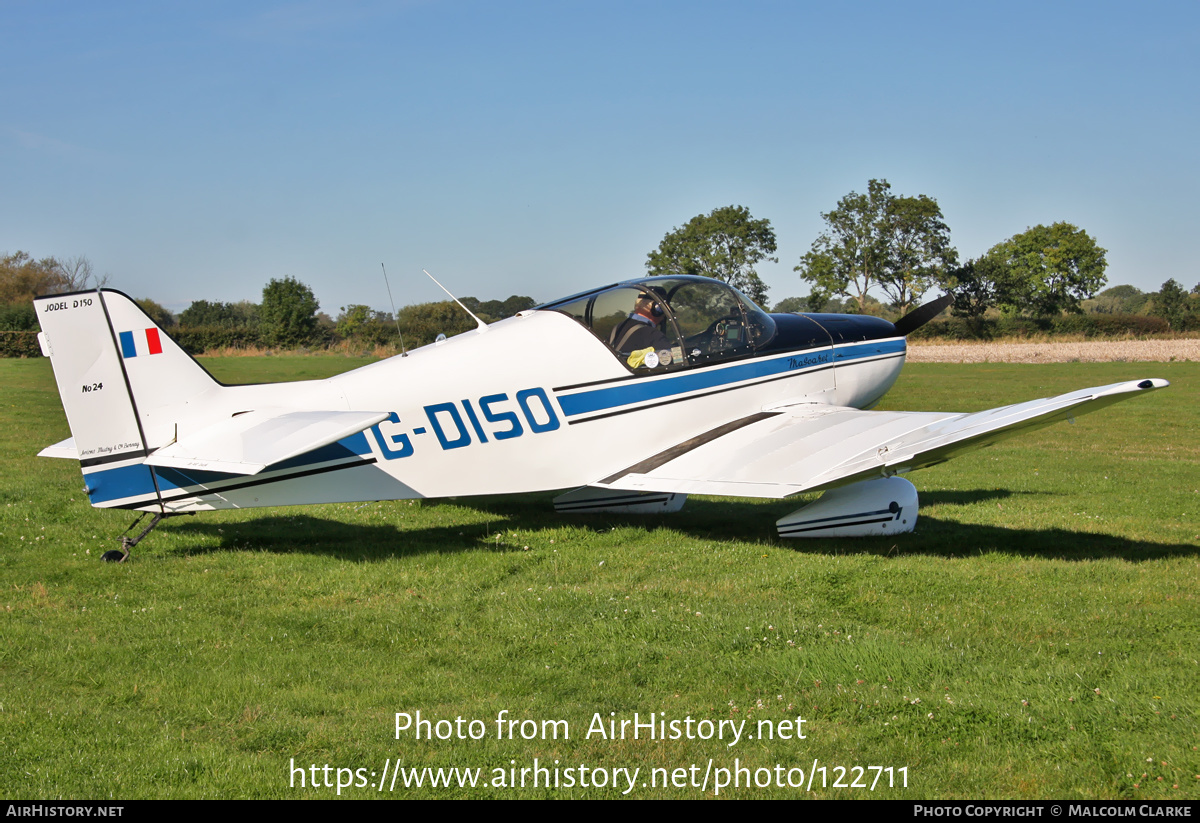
(126, 481)
(631, 393)
(107, 485)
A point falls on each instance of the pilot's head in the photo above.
(648, 304)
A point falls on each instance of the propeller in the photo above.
(921, 315)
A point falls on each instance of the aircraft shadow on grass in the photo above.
(707, 522)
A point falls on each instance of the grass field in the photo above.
(1037, 637)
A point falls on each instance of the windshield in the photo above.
(665, 323)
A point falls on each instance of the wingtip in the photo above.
(1154, 383)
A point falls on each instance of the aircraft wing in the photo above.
(248, 443)
(808, 447)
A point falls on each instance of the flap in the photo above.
(248, 443)
(810, 447)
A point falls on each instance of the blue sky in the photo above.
(195, 150)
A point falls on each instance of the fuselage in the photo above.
(536, 402)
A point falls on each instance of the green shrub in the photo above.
(18, 317)
(19, 344)
(1088, 325)
(199, 339)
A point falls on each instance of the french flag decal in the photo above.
(140, 342)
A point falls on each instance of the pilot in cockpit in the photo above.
(640, 335)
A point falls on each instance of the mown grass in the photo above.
(1035, 638)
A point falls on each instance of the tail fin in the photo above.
(117, 375)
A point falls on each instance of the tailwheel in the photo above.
(127, 543)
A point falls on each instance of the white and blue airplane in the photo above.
(634, 395)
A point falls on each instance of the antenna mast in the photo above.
(395, 317)
(480, 325)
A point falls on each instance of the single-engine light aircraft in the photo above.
(633, 395)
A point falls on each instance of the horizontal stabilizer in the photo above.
(248, 443)
(810, 447)
(65, 448)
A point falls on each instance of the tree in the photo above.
(364, 324)
(244, 314)
(22, 278)
(490, 311)
(1117, 300)
(76, 274)
(920, 252)
(157, 312)
(899, 244)
(18, 317)
(1171, 304)
(820, 270)
(1049, 270)
(791, 305)
(823, 303)
(204, 313)
(976, 286)
(727, 243)
(288, 313)
(421, 323)
(352, 318)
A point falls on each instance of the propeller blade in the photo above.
(921, 315)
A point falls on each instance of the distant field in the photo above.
(1037, 637)
(1162, 350)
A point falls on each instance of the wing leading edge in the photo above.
(808, 447)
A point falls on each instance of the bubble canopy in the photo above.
(669, 323)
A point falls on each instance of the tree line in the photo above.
(875, 242)
(288, 317)
(899, 245)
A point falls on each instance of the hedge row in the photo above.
(19, 344)
(199, 339)
(195, 340)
